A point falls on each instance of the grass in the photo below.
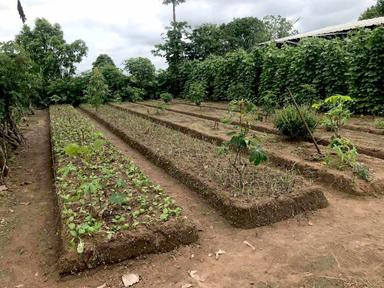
(201, 158)
(100, 190)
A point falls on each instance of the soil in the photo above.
(148, 235)
(362, 123)
(341, 246)
(366, 143)
(285, 154)
(240, 211)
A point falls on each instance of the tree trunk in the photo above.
(174, 12)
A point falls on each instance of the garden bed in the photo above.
(270, 195)
(284, 154)
(109, 210)
(366, 143)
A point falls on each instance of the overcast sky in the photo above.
(130, 28)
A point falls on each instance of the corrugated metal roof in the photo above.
(335, 29)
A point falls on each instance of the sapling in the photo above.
(240, 142)
(346, 153)
(337, 115)
(97, 89)
(196, 93)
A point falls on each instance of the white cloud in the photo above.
(130, 28)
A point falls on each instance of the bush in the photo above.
(289, 123)
(379, 123)
(196, 93)
(166, 97)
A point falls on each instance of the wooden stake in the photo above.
(305, 122)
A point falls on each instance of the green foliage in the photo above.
(379, 123)
(166, 97)
(337, 114)
(196, 93)
(48, 49)
(240, 142)
(135, 94)
(101, 192)
(346, 154)
(244, 33)
(278, 27)
(142, 75)
(97, 89)
(373, 11)
(366, 70)
(103, 60)
(289, 123)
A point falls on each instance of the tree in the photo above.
(102, 60)
(278, 27)
(174, 50)
(19, 81)
(174, 4)
(97, 89)
(47, 47)
(373, 11)
(205, 40)
(142, 74)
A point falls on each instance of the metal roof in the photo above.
(334, 30)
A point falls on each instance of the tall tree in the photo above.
(174, 4)
(373, 11)
(102, 60)
(244, 33)
(142, 73)
(278, 27)
(174, 50)
(205, 40)
(47, 47)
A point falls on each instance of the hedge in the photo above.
(314, 69)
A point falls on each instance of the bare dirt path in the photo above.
(341, 246)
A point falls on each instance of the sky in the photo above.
(130, 28)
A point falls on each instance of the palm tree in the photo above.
(21, 11)
(174, 4)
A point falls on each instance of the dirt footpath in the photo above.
(340, 246)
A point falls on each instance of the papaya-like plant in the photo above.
(240, 142)
(338, 113)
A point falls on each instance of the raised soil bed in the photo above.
(122, 215)
(245, 212)
(282, 154)
(366, 143)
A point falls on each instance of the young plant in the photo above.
(338, 113)
(97, 89)
(166, 97)
(196, 93)
(379, 123)
(240, 141)
(268, 103)
(289, 123)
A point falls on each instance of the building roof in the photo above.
(334, 30)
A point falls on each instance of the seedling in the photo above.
(338, 113)
(240, 141)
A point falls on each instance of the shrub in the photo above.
(166, 97)
(196, 93)
(289, 123)
(379, 123)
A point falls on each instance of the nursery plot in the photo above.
(109, 210)
(282, 153)
(269, 195)
(363, 123)
(366, 143)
